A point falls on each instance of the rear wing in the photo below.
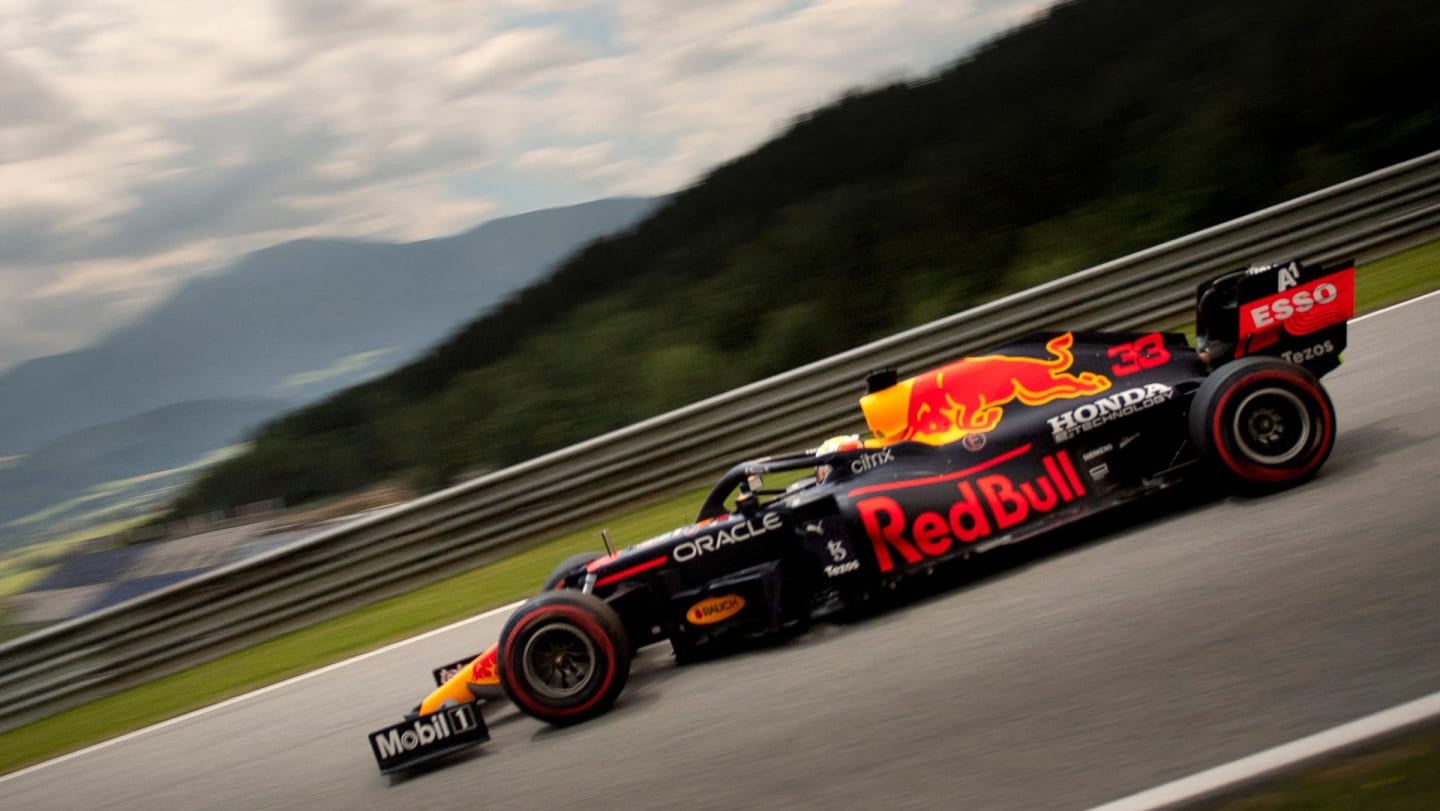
(1290, 310)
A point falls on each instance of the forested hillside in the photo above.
(1108, 126)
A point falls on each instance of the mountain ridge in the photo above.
(62, 476)
(290, 309)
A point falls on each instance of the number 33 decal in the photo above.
(1145, 353)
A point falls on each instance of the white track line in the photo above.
(1321, 743)
(252, 694)
(1396, 306)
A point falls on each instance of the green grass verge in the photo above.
(1396, 278)
(1401, 775)
(1378, 284)
(8, 630)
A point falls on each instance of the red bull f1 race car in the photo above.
(979, 453)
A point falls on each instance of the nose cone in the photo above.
(479, 678)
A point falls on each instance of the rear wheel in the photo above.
(564, 657)
(1263, 424)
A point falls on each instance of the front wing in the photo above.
(426, 737)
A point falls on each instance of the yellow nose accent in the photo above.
(887, 411)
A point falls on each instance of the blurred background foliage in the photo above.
(1105, 127)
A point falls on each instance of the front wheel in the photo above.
(1263, 424)
(564, 657)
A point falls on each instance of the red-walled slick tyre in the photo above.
(1262, 423)
(564, 657)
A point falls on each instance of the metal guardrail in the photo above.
(429, 539)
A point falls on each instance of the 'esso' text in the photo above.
(1301, 301)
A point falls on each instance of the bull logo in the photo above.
(483, 668)
(968, 396)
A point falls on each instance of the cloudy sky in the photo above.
(143, 142)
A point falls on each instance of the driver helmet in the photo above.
(835, 444)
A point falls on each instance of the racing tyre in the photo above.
(1262, 423)
(568, 566)
(564, 657)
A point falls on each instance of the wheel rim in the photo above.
(559, 661)
(1272, 426)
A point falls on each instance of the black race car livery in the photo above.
(981, 452)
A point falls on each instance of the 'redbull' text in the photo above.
(983, 505)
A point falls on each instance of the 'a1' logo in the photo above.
(1288, 278)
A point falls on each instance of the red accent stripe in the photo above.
(633, 570)
(880, 488)
(601, 561)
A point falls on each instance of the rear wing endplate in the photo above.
(1290, 310)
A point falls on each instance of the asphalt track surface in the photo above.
(1062, 677)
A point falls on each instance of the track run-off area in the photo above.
(1065, 675)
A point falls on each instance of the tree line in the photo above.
(1104, 127)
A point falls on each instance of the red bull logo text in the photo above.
(979, 507)
(969, 396)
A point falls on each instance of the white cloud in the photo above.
(716, 79)
(141, 142)
(511, 58)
